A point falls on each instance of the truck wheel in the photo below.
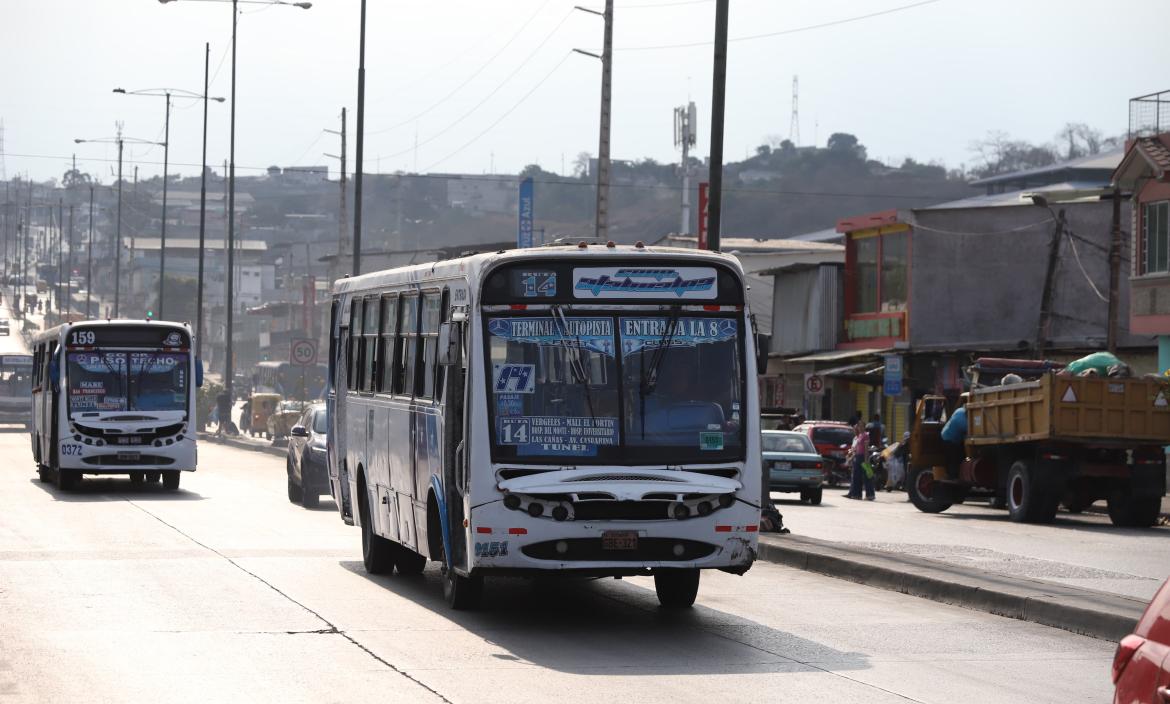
(1131, 511)
(920, 486)
(676, 589)
(1027, 502)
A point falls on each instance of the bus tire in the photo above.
(153, 477)
(44, 474)
(67, 479)
(462, 593)
(137, 477)
(1027, 501)
(294, 492)
(171, 480)
(408, 561)
(920, 488)
(1131, 511)
(377, 552)
(676, 589)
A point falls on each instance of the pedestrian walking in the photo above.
(223, 409)
(861, 478)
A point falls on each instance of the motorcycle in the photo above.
(878, 464)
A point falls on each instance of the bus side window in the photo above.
(386, 351)
(355, 321)
(445, 311)
(370, 343)
(431, 313)
(404, 383)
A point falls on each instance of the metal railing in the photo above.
(1149, 114)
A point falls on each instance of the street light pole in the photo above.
(118, 236)
(601, 225)
(229, 303)
(359, 148)
(89, 259)
(69, 268)
(202, 210)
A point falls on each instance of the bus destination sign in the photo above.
(681, 282)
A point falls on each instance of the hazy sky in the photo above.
(454, 74)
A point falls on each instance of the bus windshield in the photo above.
(127, 381)
(649, 388)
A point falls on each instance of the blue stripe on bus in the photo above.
(441, 499)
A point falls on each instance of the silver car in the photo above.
(793, 464)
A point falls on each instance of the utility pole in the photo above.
(202, 211)
(69, 268)
(361, 130)
(60, 243)
(229, 302)
(343, 208)
(602, 229)
(718, 102)
(118, 234)
(1114, 271)
(89, 259)
(1046, 295)
(162, 245)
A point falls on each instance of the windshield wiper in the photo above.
(138, 379)
(647, 382)
(575, 359)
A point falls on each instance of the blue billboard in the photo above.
(524, 231)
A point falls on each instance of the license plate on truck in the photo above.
(619, 540)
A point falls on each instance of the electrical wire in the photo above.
(501, 118)
(469, 79)
(1077, 255)
(783, 32)
(486, 98)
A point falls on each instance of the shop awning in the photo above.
(839, 355)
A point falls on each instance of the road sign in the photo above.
(303, 352)
(814, 384)
(893, 377)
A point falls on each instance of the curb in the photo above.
(1091, 613)
(243, 444)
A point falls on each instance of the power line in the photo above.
(783, 32)
(470, 78)
(486, 98)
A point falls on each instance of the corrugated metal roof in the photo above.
(1105, 161)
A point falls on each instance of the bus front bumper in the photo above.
(507, 541)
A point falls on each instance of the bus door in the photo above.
(337, 411)
(453, 366)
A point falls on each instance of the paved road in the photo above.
(1083, 550)
(226, 592)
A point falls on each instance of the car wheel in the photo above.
(676, 589)
(814, 497)
(309, 499)
(294, 491)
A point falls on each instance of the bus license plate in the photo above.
(619, 540)
(130, 440)
(126, 455)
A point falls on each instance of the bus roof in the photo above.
(474, 266)
(56, 332)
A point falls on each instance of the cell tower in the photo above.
(794, 126)
(3, 173)
(686, 126)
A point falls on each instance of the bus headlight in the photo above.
(681, 511)
(704, 508)
(535, 509)
(511, 501)
(726, 500)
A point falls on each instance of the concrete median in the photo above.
(1084, 611)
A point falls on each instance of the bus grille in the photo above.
(648, 550)
(115, 461)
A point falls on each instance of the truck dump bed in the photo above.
(1071, 408)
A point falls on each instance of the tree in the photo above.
(763, 150)
(997, 153)
(581, 165)
(843, 144)
(1081, 139)
(74, 178)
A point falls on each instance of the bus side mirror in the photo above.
(198, 373)
(55, 373)
(763, 343)
(450, 344)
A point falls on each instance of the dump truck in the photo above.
(1044, 440)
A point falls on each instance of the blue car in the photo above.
(793, 464)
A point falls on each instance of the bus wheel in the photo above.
(377, 552)
(409, 562)
(153, 477)
(67, 479)
(44, 474)
(137, 477)
(462, 593)
(676, 589)
(171, 480)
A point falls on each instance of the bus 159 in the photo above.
(570, 410)
(114, 397)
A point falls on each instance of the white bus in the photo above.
(16, 365)
(577, 410)
(114, 397)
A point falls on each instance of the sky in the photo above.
(475, 87)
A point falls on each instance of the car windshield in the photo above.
(833, 436)
(127, 381)
(786, 442)
(559, 387)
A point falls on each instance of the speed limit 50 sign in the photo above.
(303, 352)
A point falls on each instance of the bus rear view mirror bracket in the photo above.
(198, 373)
(450, 343)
